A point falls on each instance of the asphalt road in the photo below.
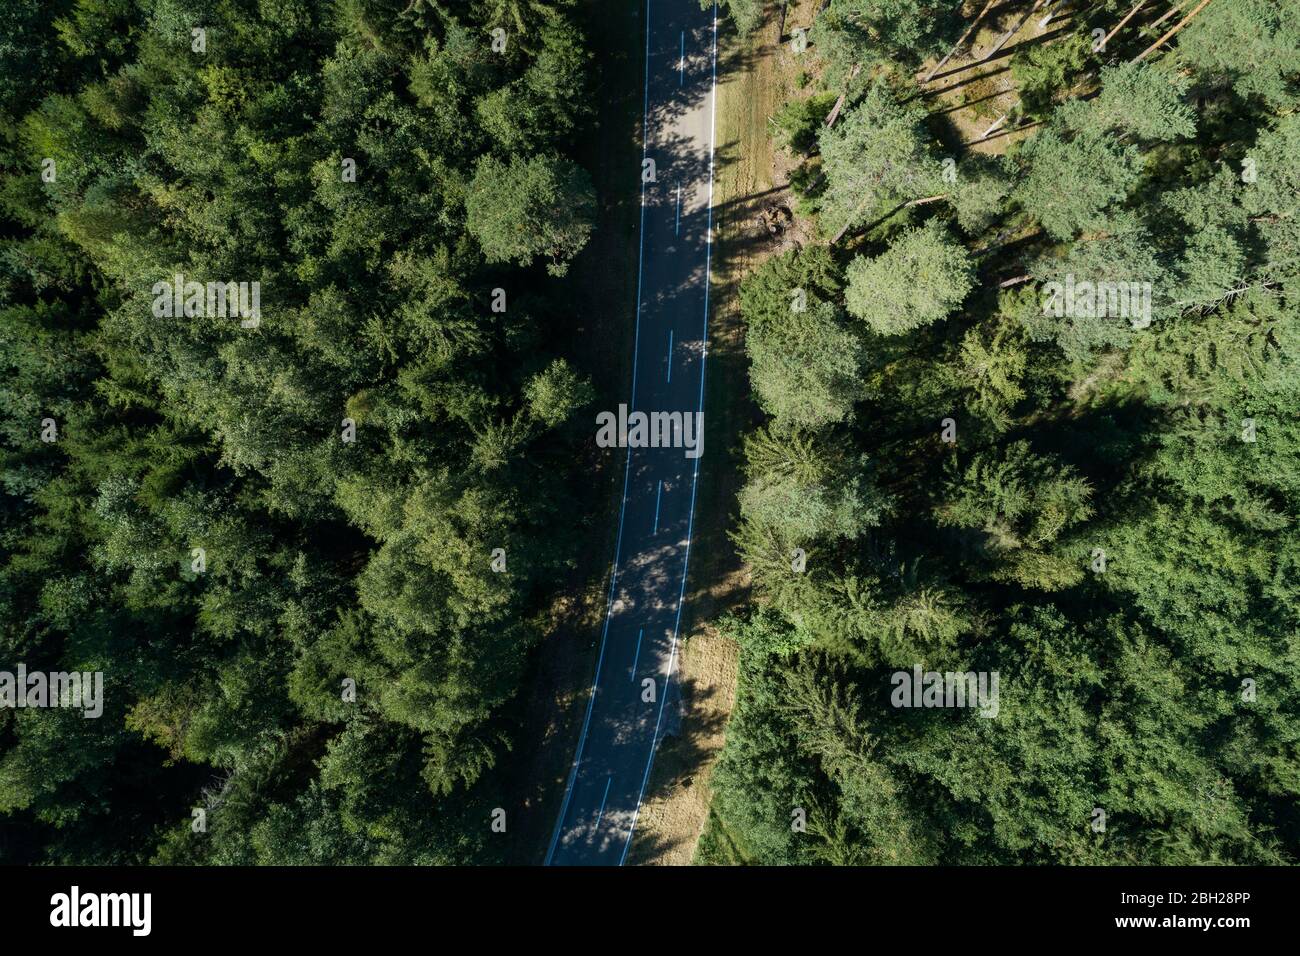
(623, 725)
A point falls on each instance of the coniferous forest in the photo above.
(1100, 508)
(290, 447)
(233, 521)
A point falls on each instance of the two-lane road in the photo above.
(625, 716)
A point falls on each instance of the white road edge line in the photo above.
(704, 355)
(627, 465)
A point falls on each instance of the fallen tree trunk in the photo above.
(1000, 120)
(1119, 26)
(1169, 13)
(902, 205)
(962, 39)
(839, 103)
(1178, 26)
(1013, 31)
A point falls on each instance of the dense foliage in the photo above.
(238, 521)
(1101, 508)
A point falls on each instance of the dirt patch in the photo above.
(973, 92)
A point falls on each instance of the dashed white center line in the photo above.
(637, 657)
(602, 801)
